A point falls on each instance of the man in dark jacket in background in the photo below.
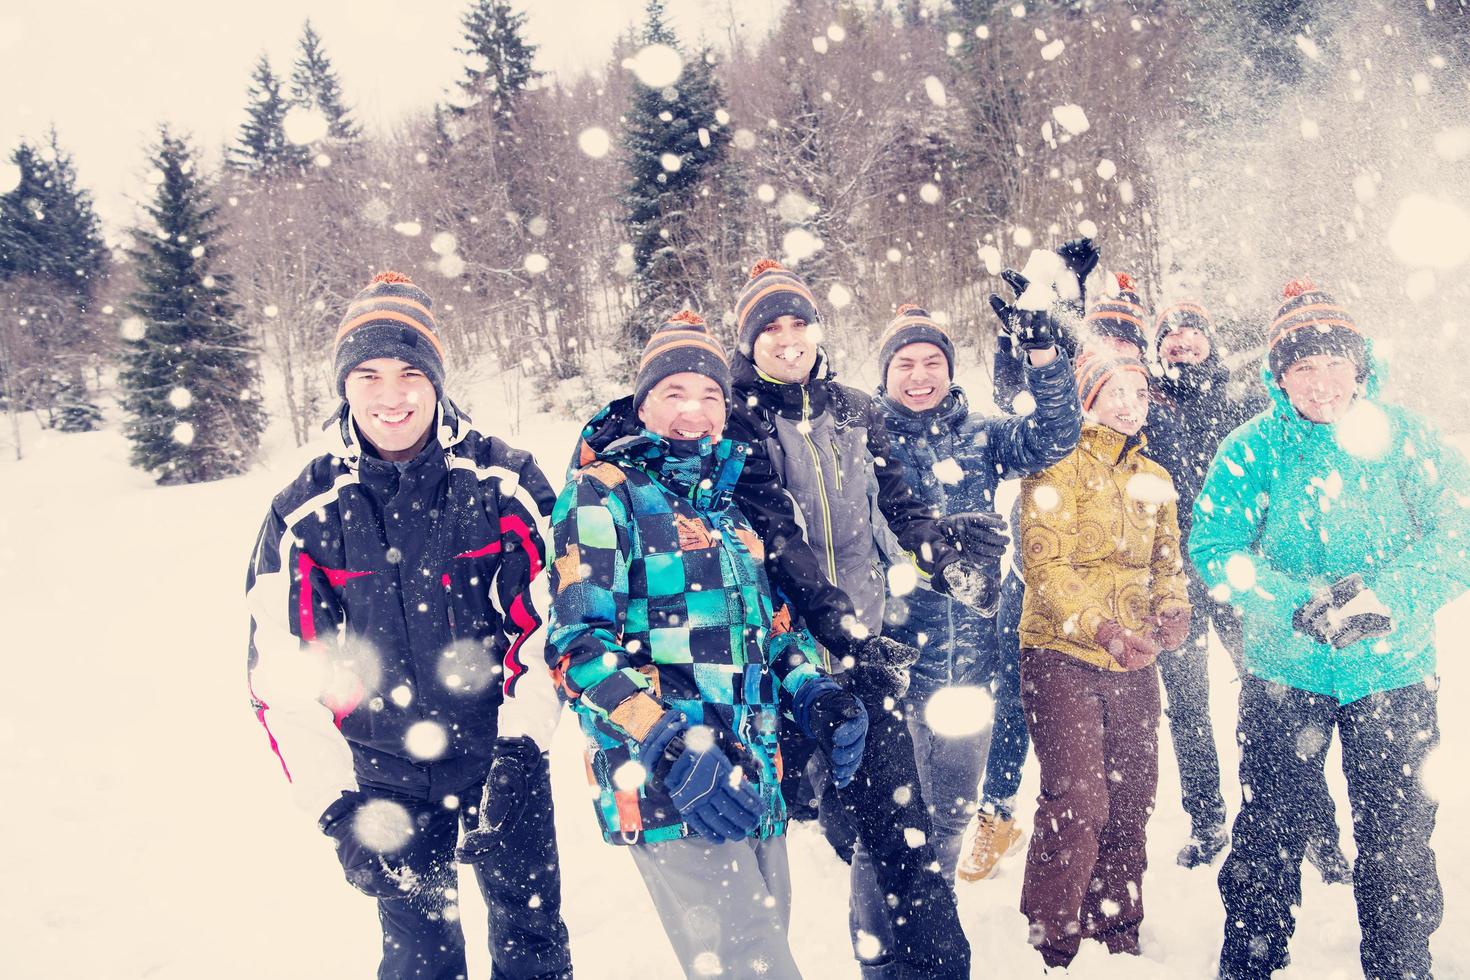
(957, 458)
(1194, 410)
(391, 607)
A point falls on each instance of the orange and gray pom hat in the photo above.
(1095, 368)
(682, 343)
(1122, 315)
(1310, 322)
(390, 317)
(773, 291)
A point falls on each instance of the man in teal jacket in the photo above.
(1337, 525)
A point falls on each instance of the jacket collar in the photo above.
(789, 399)
(1109, 445)
(952, 410)
(703, 472)
(344, 442)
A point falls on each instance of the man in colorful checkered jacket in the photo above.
(665, 640)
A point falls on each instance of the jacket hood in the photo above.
(451, 426)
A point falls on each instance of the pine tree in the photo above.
(262, 148)
(676, 147)
(499, 67)
(191, 381)
(314, 85)
(48, 227)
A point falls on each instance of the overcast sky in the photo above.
(106, 74)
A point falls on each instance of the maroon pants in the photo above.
(1096, 736)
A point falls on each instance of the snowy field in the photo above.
(152, 834)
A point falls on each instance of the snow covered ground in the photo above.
(150, 832)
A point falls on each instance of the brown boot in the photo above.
(995, 837)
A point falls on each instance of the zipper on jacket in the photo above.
(806, 409)
(837, 464)
(449, 603)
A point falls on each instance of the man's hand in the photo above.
(978, 534)
(514, 763)
(367, 870)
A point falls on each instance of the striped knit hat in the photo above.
(682, 343)
(1183, 316)
(1122, 315)
(773, 291)
(1310, 322)
(391, 317)
(913, 325)
(1096, 368)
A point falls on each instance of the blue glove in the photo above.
(367, 870)
(711, 795)
(837, 721)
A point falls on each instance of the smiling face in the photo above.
(918, 376)
(684, 406)
(1321, 387)
(1184, 345)
(786, 349)
(392, 403)
(1123, 402)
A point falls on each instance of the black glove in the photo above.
(977, 534)
(1323, 620)
(366, 869)
(839, 723)
(967, 583)
(881, 668)
(514, 763)
(1081, 257)
(1029, 329)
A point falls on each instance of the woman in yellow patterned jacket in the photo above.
(1105, 592)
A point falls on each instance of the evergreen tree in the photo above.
(262, 148)
(191, 381)
(499, 67)
(314, 84)
(48, 228)
(676, 148)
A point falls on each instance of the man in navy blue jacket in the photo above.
(390, 593)
(957, 459)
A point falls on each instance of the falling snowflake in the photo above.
(444, 243)
(934, 88)
(535, 263)
(180, 398)
(183, 433)
(425, 740)
(959, 711)
(305, 124)
(657, 65)
(1071, 118)
(409, 229)
(595, 142)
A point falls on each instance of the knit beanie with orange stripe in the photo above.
(772, 292)
(1185, 315)
(682, 343)
(1095, 368)
(1310, 322)
(390, 317)
(1121, 316)
(913, 325)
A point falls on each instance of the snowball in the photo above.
(382, 825)
(707, 964)
(1430, 231)
(672, 162)
(743, 139)
(699, 738)
(1071, 118)
(1451, 144)
(948, 471)
(183, 433)
(837, 32)
(322, 160)
(990, 255)
(934, 88)
(1125, 191)
(1421, 83)
(197, 252)
(1363, 431)
(409, 229)
(893, 255)
(1046, 497)
(1087, 228)
(535, 263)
(1048, 279)
(1146, 488)
(444, 243)
(867, 945)
(953, 39)
(765, 193)
(903, 578)
(1023, 404)
(819, 45)
(1109, 908)
(959, 711)
(271, 311)
(657, 65)
(1240, 572)
(929, 194)
(839, 296)
(180, 398)
(903, 795)
(426, 740)
(794, 208)
(402, 695)
(1308, 47)
(629, 777)
(305, 124)
(982, 32)
(9, 176)
(451, 266)
(703, 137)
(914, 837)
(1053, 51)
(799, 244)
(1021, 235)
(1310, 129)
